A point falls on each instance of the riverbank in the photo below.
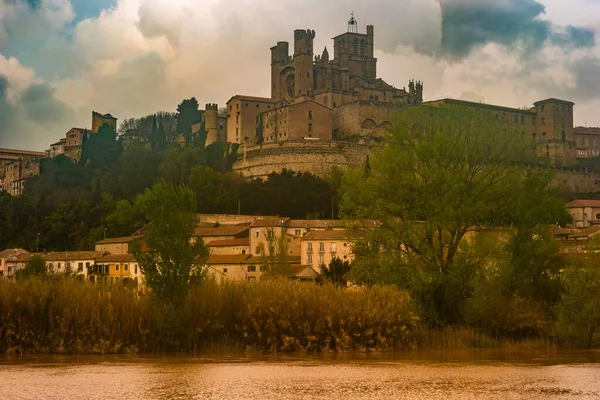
(63, 316)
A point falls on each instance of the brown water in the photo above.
(409, 376)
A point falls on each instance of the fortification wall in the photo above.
(317, 157)
(577, 181)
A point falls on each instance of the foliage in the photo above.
(171, 264)
(61, 315)
(36, 267)
(336, 272)
(187, 115)
(579, 310)
(444, 172)
(275, 254)
(142, 128)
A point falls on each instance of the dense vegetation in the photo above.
(73, 204)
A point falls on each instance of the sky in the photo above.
(62, 59)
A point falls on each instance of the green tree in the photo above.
(36, 267)
(171, 264)
(336, 272)
(187, 115)
(579, 309)
(443, 172)
(274, 254)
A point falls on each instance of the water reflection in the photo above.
(490, 375)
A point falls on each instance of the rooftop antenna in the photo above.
(352, 24)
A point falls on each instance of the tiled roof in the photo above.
(587, 232)
(117, 258)
(10, 252)
(230, 242)
(228, 259)
(581, 130)
(124, 239)
(253, 98)
(298, 269)
(339, 234)
(25, 257)
(263, 260)
(583, 203)
(315, 223)
(220, 231)
(72, 255)
(270, 222)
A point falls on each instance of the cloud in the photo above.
(31, 117)
(471, 24)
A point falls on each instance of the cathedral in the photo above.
(317, 97)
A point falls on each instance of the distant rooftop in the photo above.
(480, 105)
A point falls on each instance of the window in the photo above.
(116, 267)
(224, 270)
(309, 248)
(542, 108)
(543, 121)
(497, 116)
(126, 267)
(522, 120)
(243, 251)
(308, 74)
(533, 120)
(135, 269)
(257, 249)
(516, 118)
(87, 265)
(321, 247)
(297, 232)
(362, 47)
(309, 259)
(251, 268)
(321, 259)
(310, 114)
(333, 247)
(59, 265)
(80, 267)
(563, 137)
(258, 105)
(355, 46)
(256, 233)
(270, 234)
(345, 244)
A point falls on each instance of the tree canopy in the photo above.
(444, 172)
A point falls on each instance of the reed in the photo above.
(62, 315)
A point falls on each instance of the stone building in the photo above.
(318, 98)
(587, 142)
(16, 166)
(549, 122)
(100, 119)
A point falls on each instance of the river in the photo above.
(472, 375)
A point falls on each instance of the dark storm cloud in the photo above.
(469, 24)
(31, 116)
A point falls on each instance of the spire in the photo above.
(325, 56)
(352, 24)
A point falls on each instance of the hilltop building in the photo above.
(16, 166)
(587, 142)
(99, 119)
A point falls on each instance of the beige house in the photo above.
(231, 267)
(15, 263)
(266, 236)
(318, 248)
(120, 245)
(77, 262)
(584, 212)
(230, 246)
(221, 233)
(116, 267)
(8, 254)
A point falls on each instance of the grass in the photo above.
(63, 315)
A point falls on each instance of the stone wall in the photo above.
(314, 156)
(577, 181)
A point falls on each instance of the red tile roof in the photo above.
(583, 203)
(117, 258)
(228, 259)
(230, 242)
(125, 239)
(270, 222)
(72, 255)
(339, 234)
(220, 231)
(11, 252)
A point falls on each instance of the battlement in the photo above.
(304, 34)
(211, 106)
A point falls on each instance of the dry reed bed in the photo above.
(69, 316)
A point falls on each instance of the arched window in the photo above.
(563, 137)
(362, 47)
(355, 47)
(368, 124)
